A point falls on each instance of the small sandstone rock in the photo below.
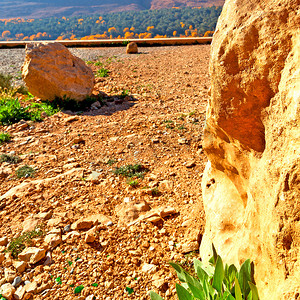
(189, 247)
(32, 255)
(149, 268)
(31, 287)
(9, 274)
(132, 48)
(20, 266)
(3, 241)
(7, 291)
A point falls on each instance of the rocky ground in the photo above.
(110, 235)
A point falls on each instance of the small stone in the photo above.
(149, 268)
(9, 274)
(110, 223)
(132, 48)
(189, 247)
(20, 266)
(17, 281)
(90, 235)
(32, 254)
(90, 297)
(20, 292)
(67, 228)
(2, 257)
(43, 287)
(7, 291)
(190, 163)
(48, 260)
(3, 241)
(53, 240)
(31, 287)
(183, 141)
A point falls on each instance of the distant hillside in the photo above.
(67, 8)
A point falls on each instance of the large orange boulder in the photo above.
(251, 185)
(50, 70)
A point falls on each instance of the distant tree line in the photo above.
(173, 22)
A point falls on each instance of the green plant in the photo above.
(5, 81)
(214, 281)
(110, 162)
(125, 43)
(2, 298)
(103, 72)
(133, 183)
(130, 171)
(25, 171)
(4, 137)
(155, 191)
(124, 93)
(98, 63)
(18, 244)
(12, 159)
(11, 111)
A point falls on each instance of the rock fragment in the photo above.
(132, 48)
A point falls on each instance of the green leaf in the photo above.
(213, 260)
(205, 270)
(219, 275)
(197, 293)
(182, 293)
(129, 290)
(78, 289)
(183, 275)
(232, 270)
(94, 284)
(155, 296)
(58, 280)
(237, 289)
(70, 263)
(244, 276)
(254, 291)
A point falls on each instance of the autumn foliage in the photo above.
(176, 22)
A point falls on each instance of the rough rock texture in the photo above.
(132, 48)
(251, 186)
(50, 70)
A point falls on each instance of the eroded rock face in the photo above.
(50, 70)
(251, 185)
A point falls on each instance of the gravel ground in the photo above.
(12, 59)
(159, 124)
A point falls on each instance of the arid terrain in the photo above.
(157, 123)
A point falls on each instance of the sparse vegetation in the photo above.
(4, 137)
(5, 81)
(155, 192)
(124, 93)
(103, 72)
(25, 171)
(131, 171)
(18, 244)
(110, 162)
(12, 111)
(133, 182)
(12, 159)
(214, 281)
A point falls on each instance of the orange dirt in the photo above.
(159, 124)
